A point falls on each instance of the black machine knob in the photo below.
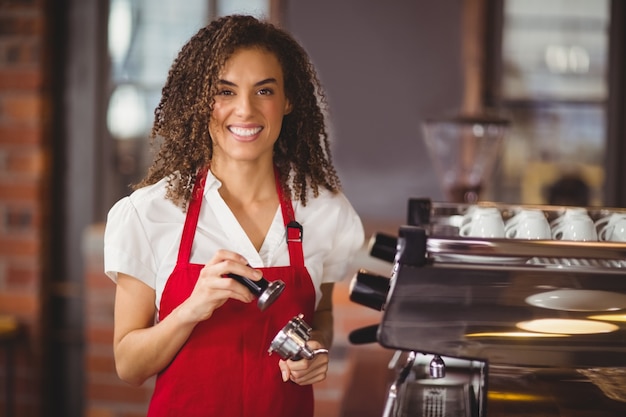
(409, 248)
(369, 289)
(364, 335)
(383, 246)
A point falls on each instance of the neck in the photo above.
(245, 182)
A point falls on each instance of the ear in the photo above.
(288, 107)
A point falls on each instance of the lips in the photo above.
(245, 132)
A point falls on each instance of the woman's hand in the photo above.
(306, 371)
(212, 289)
(142, 348)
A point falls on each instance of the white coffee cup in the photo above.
(482, 222)
(612, 227)
(570, 213)
(574, 224)
(528, 224)
(619, 231)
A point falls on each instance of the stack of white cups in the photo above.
(612, 227)
(574, 224)
(481, 221)
(528, 224)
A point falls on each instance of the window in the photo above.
(144, 37)
(553, 85)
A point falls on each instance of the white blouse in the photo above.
(143, 234)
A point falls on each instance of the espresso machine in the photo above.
(486, 326)
(494, 325)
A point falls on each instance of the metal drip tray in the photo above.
(419, 399)
(416, 394)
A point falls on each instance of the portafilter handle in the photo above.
(369, 289)
(291, 341)
(383, 246)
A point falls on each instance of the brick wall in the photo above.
(22, 174)
(105, 395)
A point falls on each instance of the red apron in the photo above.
(224, 368)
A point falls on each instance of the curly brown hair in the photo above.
(182, 116)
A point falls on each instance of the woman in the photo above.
(243, 184)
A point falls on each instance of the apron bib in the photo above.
(224, 368)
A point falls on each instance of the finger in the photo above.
(234, 270)
(229, 266)
(284, 370)
(305, 372)
(314, 344)
(226, 262)
(235, 293)
(319, 360)
(311, 376)
(212, 283)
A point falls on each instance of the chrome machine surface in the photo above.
(521, 327)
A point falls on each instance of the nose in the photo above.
(243, 105)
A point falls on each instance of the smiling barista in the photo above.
(243, 184)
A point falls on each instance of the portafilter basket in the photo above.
(291, 341)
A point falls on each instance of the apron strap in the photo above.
(293, 228)
(191, 219)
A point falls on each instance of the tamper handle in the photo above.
(255, 287)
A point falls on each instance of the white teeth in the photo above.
(242, 131)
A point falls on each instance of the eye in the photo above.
(266, 92)
(225, 92)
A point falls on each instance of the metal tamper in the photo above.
(267, 292)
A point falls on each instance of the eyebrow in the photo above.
(257, 84)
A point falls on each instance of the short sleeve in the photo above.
(348, 239)
(127, 248)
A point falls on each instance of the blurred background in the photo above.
(79, 81)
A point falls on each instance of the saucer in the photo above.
(579, 300)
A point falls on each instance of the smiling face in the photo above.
(249, 107)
